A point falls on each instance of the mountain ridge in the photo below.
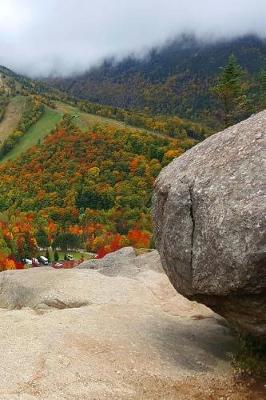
(172, 79)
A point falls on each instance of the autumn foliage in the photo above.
(92, 189)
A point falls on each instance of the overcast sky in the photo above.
(65, 36)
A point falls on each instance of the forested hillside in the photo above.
(174, 79)
(75, 174)
(79, 174)
(29, 110)
(89, 189)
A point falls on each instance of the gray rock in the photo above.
(149, 261)
(209, 218)
(117, 257)
(78, 334)
(125, 262)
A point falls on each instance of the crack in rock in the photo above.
(192, 216)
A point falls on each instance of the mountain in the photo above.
(30, 109)
(173, 79)
(12, 83)
(78, 173)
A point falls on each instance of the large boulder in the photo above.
(209, 212)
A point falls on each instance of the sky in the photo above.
(61, 37)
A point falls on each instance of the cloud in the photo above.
(40, 37)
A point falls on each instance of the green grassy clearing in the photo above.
(51, 117)
(85, 120)
(36, 133)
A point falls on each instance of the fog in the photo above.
(43, 37)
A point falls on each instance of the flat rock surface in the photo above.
(82, 334)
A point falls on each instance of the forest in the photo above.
(88, 190)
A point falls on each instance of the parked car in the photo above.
(43, 260)
(35, 262)
(27, 261)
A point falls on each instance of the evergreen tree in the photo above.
(67, 241)
(56, 256)
(42, 239)
(231, 91)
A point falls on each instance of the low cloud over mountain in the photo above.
(66, 36)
